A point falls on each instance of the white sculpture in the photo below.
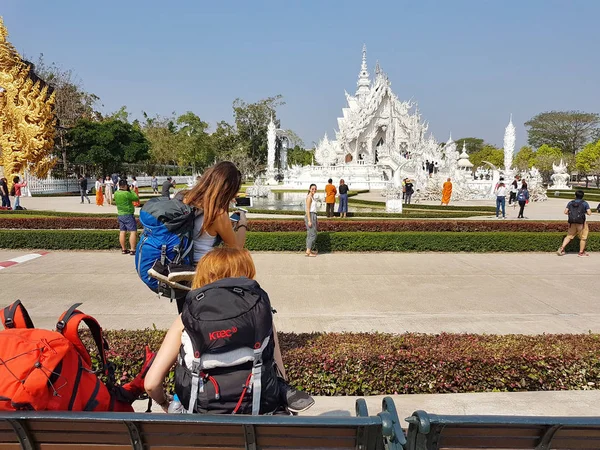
(271, 143)
(560, 177)
(509, 147)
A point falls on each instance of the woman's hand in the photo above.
(243, 219)
(309, 224)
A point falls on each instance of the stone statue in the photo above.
(560, 177)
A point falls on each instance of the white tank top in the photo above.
(313, 204)
(204, 242)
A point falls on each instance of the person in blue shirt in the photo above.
(577, 210)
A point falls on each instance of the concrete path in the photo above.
(387, 292)
(548, 403)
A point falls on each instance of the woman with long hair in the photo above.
(310, 220)
(343, 192)
(212, 195)
(218, 264)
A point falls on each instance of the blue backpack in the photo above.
(523, 195)
(168, 238)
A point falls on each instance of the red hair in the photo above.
(223, 262)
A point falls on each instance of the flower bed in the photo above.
(376, 241)
(373, 364)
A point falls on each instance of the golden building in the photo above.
(27, 119)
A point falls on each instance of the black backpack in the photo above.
(226, 362)
(13, 191)
(577, 211)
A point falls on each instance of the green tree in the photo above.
(567, 130)
(252, 120)
(161, 133)
(194, 146)
(473, 144)
(487, 153)
(587, 162)
(107, 144)
(524, 159)
(300, 156)
(544, 157)
(224, 140)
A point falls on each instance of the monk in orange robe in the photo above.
(447, 192)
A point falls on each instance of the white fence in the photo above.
(52, 186)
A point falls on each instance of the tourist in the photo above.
(343, 191)
(213, 194)
(310, 220)
(154, 184)
(435, 167)
(513, 190)
(446, 192)
(108, 190)
(134, 185)
(4, 193)
(220, 269)
(124, 199)
(430, 169)
(330, 193)
(83, 188)
(523, 198)
(17, 191)
(166, 187)
(576, 211)
(409, 191)
(99, 186)
(404, 188)
(115, 180)
(500, 192)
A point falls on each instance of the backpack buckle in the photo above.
(60, 325)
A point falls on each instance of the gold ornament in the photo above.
(27, 119)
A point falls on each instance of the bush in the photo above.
(417, 241)
(374, 364)
(4, 214)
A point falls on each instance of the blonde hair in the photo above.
(215, 190)
(223, 262)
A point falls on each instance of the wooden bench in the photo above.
(29, 430)
(430, 431)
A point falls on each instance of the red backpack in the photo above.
(45, 370)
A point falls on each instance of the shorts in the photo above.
(127, 223)
(578, 229)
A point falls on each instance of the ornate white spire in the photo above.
(509, 144)
(271, 137)
(364, 83)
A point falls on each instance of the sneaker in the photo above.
(295, 400)
(159, 272)
(179, 272)
(583, 254)
(560, 252)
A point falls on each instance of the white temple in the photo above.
(381, 140)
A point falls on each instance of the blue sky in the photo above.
(468, 64)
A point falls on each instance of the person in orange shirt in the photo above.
(330, 193)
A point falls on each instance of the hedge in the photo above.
(374, 364)
(417, 241)
(406, 214)
(271, 225)
(4, 214)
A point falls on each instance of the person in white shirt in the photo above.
(501, 198)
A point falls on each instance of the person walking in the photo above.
(577, 210)
(166, 187)
(4, 193)
(310, 220)
(409, 190)
(83, 188)
(330, 193)
(108, 190)
(17, 188)
(99, 186)
(124, 200)
(154, 184)
(514, 189)
(447, 192)
(500, 199)
(523, 198)
(343, 192)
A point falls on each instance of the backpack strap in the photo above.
(257, 374)
(16, 316)
(68, 326)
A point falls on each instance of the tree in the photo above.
(194, 143)
(487, 153)
(161, 133)
(300, 156)
(524, 159)
(251, 121)
(473, 144)
(223, 140)
(567, 130)
(72, 101)
(587, 162)
(544, 157)
(107, 144)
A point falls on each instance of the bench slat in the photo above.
(309, 442)
(174, 428)
(575, 443)
(186, 440)
(49, 437)
(577, 432)
(8, 436)
(83, 447)
(484, 441)
(305, 431)
(10, 446)
(77, 426)
(500, 431)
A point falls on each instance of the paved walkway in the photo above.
(387, 292)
